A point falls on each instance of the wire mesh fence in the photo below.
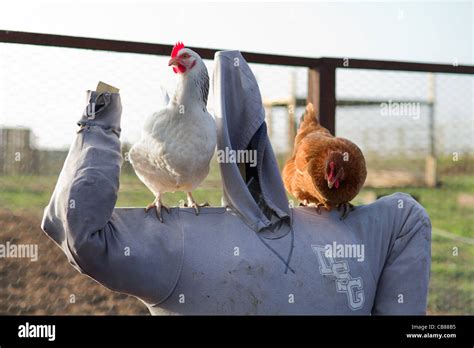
(412, 127)
(409, 125)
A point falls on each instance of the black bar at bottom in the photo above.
(133, 330)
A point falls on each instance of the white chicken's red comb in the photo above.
(178, 46)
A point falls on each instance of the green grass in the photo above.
(441, 203)
(452, 278)
(32, 193)
(26, 193)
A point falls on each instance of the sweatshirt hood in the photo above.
(252, 183)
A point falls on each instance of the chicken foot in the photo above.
(346, 209)
(192, 203)
(304, 203)
(158, 205)
(318, 206)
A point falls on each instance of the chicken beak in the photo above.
(331, 183)
(173, 61)
(335, 179)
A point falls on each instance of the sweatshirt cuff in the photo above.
(104, 110)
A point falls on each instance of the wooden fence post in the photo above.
(322, 93)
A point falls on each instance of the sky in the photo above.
(31, 77)
(415, 31)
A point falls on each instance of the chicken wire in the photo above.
(43, 92)
(42, 89)
(45, 88)
(405, 118)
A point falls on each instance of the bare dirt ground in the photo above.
(48, 285)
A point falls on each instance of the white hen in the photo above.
(178, 141)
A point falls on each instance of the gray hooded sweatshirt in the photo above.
(257, 255)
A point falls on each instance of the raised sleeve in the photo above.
(402, 287)
(123, 249)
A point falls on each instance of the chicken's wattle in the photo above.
(179, 69)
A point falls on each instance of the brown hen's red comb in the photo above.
(176, 48)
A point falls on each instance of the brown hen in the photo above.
(324, 170)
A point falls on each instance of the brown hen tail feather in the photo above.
(310, 115)
(310, 123)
